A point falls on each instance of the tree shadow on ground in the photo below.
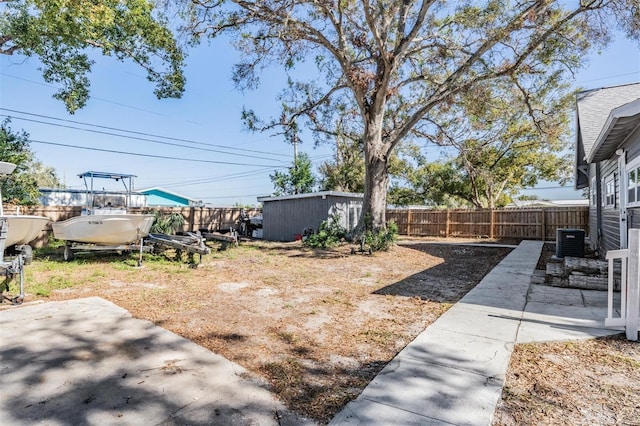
(460, 269)
(88, 362)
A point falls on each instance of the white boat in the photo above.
(104, 226)
(21, 229)
(104, 229)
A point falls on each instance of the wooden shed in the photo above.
(284, 217)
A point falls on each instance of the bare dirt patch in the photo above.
(317, 325)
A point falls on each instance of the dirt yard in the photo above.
(319, 325)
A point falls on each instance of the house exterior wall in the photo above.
(633, 145)
(633, 157)
(610, 233)
(595, 206)
(606, 234)
(633, 218)
(283, 219)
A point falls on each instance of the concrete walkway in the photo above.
(453, 372)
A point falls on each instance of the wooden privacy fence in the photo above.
(525, 223)
(196, 218)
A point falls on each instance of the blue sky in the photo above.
(207, 115)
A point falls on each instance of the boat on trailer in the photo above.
(103, 226)
(16, 231)
(21, 229)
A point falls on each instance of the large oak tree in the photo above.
(399, 63)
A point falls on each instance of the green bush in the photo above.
(378, 239)
(381, 239)
(330, 234)
(167, 223)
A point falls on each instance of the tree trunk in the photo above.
(376, 176)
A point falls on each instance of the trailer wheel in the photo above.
(68, 254)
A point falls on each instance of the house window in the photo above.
(594, 192)
(632, 186)
(610, 191)
(633, 183)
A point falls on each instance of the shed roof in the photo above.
(311, 195)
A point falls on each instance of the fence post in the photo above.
(543, 223)
(633, 286)
(409, 222)
(492, 224)
(446, 226)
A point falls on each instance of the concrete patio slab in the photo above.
(477, 323)
(555, 295)
(87, 361)
(489, 299)
(533, 331)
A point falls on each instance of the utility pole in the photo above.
(296, 190)
(295, 148)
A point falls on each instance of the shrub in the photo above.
(330, 234)
(381, 239)
(167, 223)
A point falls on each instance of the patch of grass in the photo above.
(288, 337)
(378, 336)
(56, 282)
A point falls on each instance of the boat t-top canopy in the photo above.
(106, 175)
(122, 177)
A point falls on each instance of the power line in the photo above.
(131, 132)
(152, 155)
(235, 196)
(234, 176)
(138, 138)
(606, 78)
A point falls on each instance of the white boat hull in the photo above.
(104, 229)
(23, 228)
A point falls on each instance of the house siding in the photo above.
(633, 145)
(633, 218)
(633, 151)
(610, 236)
(283, 219)
(594, 228)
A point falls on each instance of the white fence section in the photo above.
(629, 287)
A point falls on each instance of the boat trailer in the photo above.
(12, 266)
(71, 247)
(188, 242)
